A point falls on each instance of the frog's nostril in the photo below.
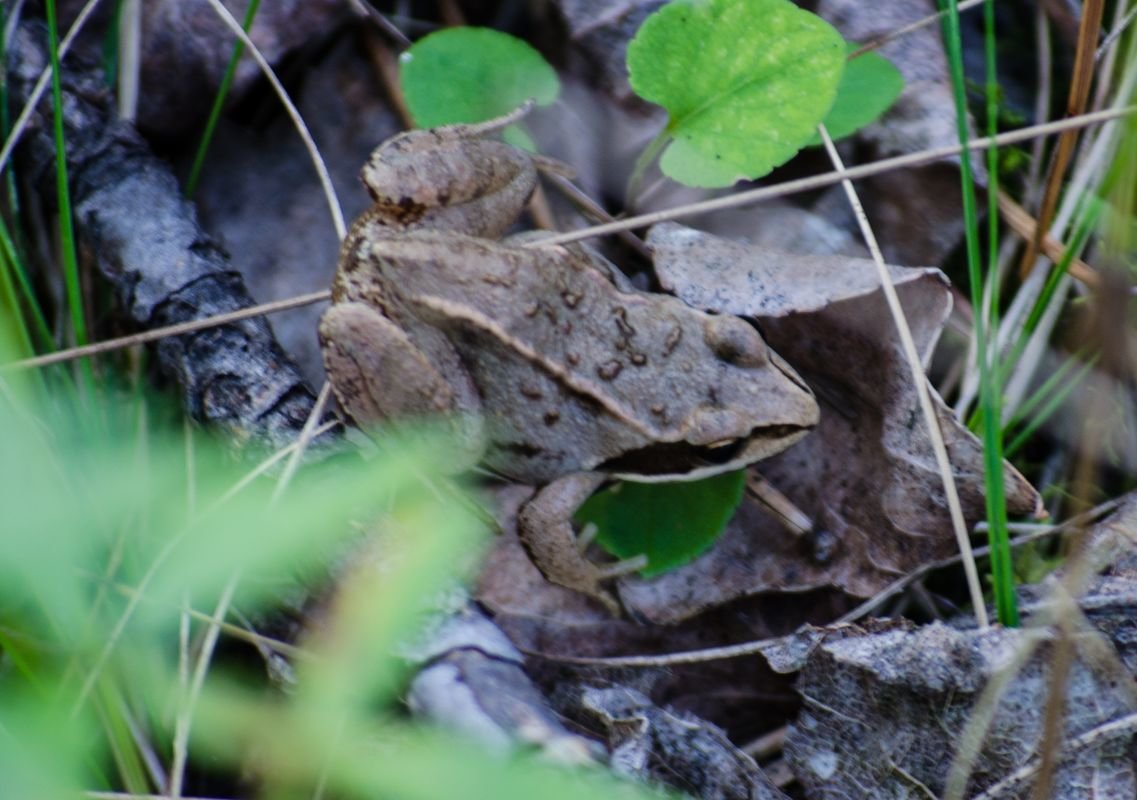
(735, 342)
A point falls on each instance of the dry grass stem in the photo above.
(1013, 783)
(386, 66)
(129, 57)
(36, 95)
(629, 223)
(923, 391)
(983, 714)
(1025, 226)
(1089, 30)
(837, 176)
(931, 19)
(268, 464)
(321, 168)
(302, 441)
(197, 683)
(1100, 152)
(1035, 533)
(170, 330)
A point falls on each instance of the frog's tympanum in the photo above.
(553, 375)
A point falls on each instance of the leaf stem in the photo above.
(646, 158)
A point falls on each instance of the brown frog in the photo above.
(555, 375)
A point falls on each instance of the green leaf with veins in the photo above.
(472, 75)
(869, 86)
(745, 83)
(670, 523)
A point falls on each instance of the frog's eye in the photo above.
(734, 341)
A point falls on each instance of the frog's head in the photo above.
(747, 404)
(445, 179)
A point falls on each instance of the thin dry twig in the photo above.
(751, 648)
(1026, 226)
(1114, 729)
(1089, 29)
(630, 223)
(931, 19)
(389, 28)
(170, 330)
(334, 206)
(923, 392)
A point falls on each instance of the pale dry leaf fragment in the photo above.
(883, 712)
(866, 475)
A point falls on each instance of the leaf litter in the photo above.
(851, 361)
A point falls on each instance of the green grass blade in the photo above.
(990, 393)
(12, 267)
(66, 229)
(11, 314)
(998, 534)
(219, 101)
(1082, 231)
(1049, 400)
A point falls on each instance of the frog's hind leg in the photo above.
(544, 525)
(380, 375)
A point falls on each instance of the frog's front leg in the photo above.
(544, 526)
(379, 374)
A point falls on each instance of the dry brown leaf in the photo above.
(885, 712)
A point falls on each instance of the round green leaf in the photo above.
(670, 523)
(745, 83)
(869, 85)
(471, 75)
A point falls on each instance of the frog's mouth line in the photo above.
(677, 461)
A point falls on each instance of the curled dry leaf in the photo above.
(866, 476)
(884, 712)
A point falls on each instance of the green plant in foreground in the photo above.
(109, 542)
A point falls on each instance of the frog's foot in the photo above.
(544, 525)
(376, 371)
(379, 374)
